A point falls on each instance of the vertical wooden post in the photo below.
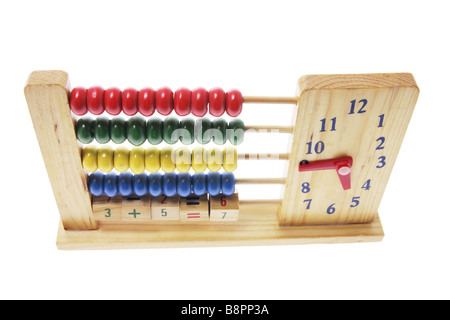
(46, 93)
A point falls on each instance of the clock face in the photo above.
(364, 122)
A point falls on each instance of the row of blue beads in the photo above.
(156, 184)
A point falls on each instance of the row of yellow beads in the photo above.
(152, 159)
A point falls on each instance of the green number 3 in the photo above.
(108, 213)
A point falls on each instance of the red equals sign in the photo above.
(193, 215)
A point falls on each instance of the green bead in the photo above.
(202, 131)
(236, 131)
(118, 130)
(101, 130)
(219, 131)
(169, 127)
(155, 131)
(136, 130)
(85, 130)
(187, 131)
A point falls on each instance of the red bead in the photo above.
(78, 101)
(146, 102)
(113, 101)
(199, 102)
(164, 101)
(182, 102)
(217, 102)
(94, 100)
(130, 101)
(234, 103)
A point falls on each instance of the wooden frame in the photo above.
(270, 223)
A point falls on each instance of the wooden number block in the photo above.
(106, 208)
(136, 208)
(165, 208)
(194, 208)
(224, 208)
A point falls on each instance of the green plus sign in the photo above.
(134, 213)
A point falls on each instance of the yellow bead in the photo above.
(137, 160)
(199, 159)
(167, 161)
(183, 159)
(90, 159)
(152, 159)
(105, 159)
(230, 159)
(122, 159)
(215, 159)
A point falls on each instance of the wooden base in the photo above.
(257, 225)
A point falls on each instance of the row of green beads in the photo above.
(137, 130)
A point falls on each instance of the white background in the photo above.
(262, 48)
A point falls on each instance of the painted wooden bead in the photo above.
(199, 163)
(146, 102)
(155, 131)
(95, 100)
(105, 159)
(101, 130)
(152, 159)
(184, 184)
(110, 184)
(78, 101)
(125, 184)
(155, 184)
(136, 131)
(199, 184)
(118, 130)
(217, 102)
(182, 102)
(219, 131)
(137, 160)
(121, 159)
(170, 126)
(113, 101)
(183, 159)
(95, 183)
(187, 128)
(213, 183)
(234, 103)
(230, 159)
(215, 159)
(130, 101)
(170, 184)
(164, 101)
(167, 161)
(140, 184)
(90, 163)
(236, 131)
(199, 102)
(85, 130)
(228, 183)
(202, 131)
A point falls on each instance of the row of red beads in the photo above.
(96, 100)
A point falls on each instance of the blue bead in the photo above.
(170, 184)
(155, 184)
(184, 185)
(110, 184)
(96, 183)
(199, 184)
(228, 183)
(213, 183)
(126, 183)
(140, 183)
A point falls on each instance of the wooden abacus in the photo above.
(346, 135)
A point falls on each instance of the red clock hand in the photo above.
(341, 165)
